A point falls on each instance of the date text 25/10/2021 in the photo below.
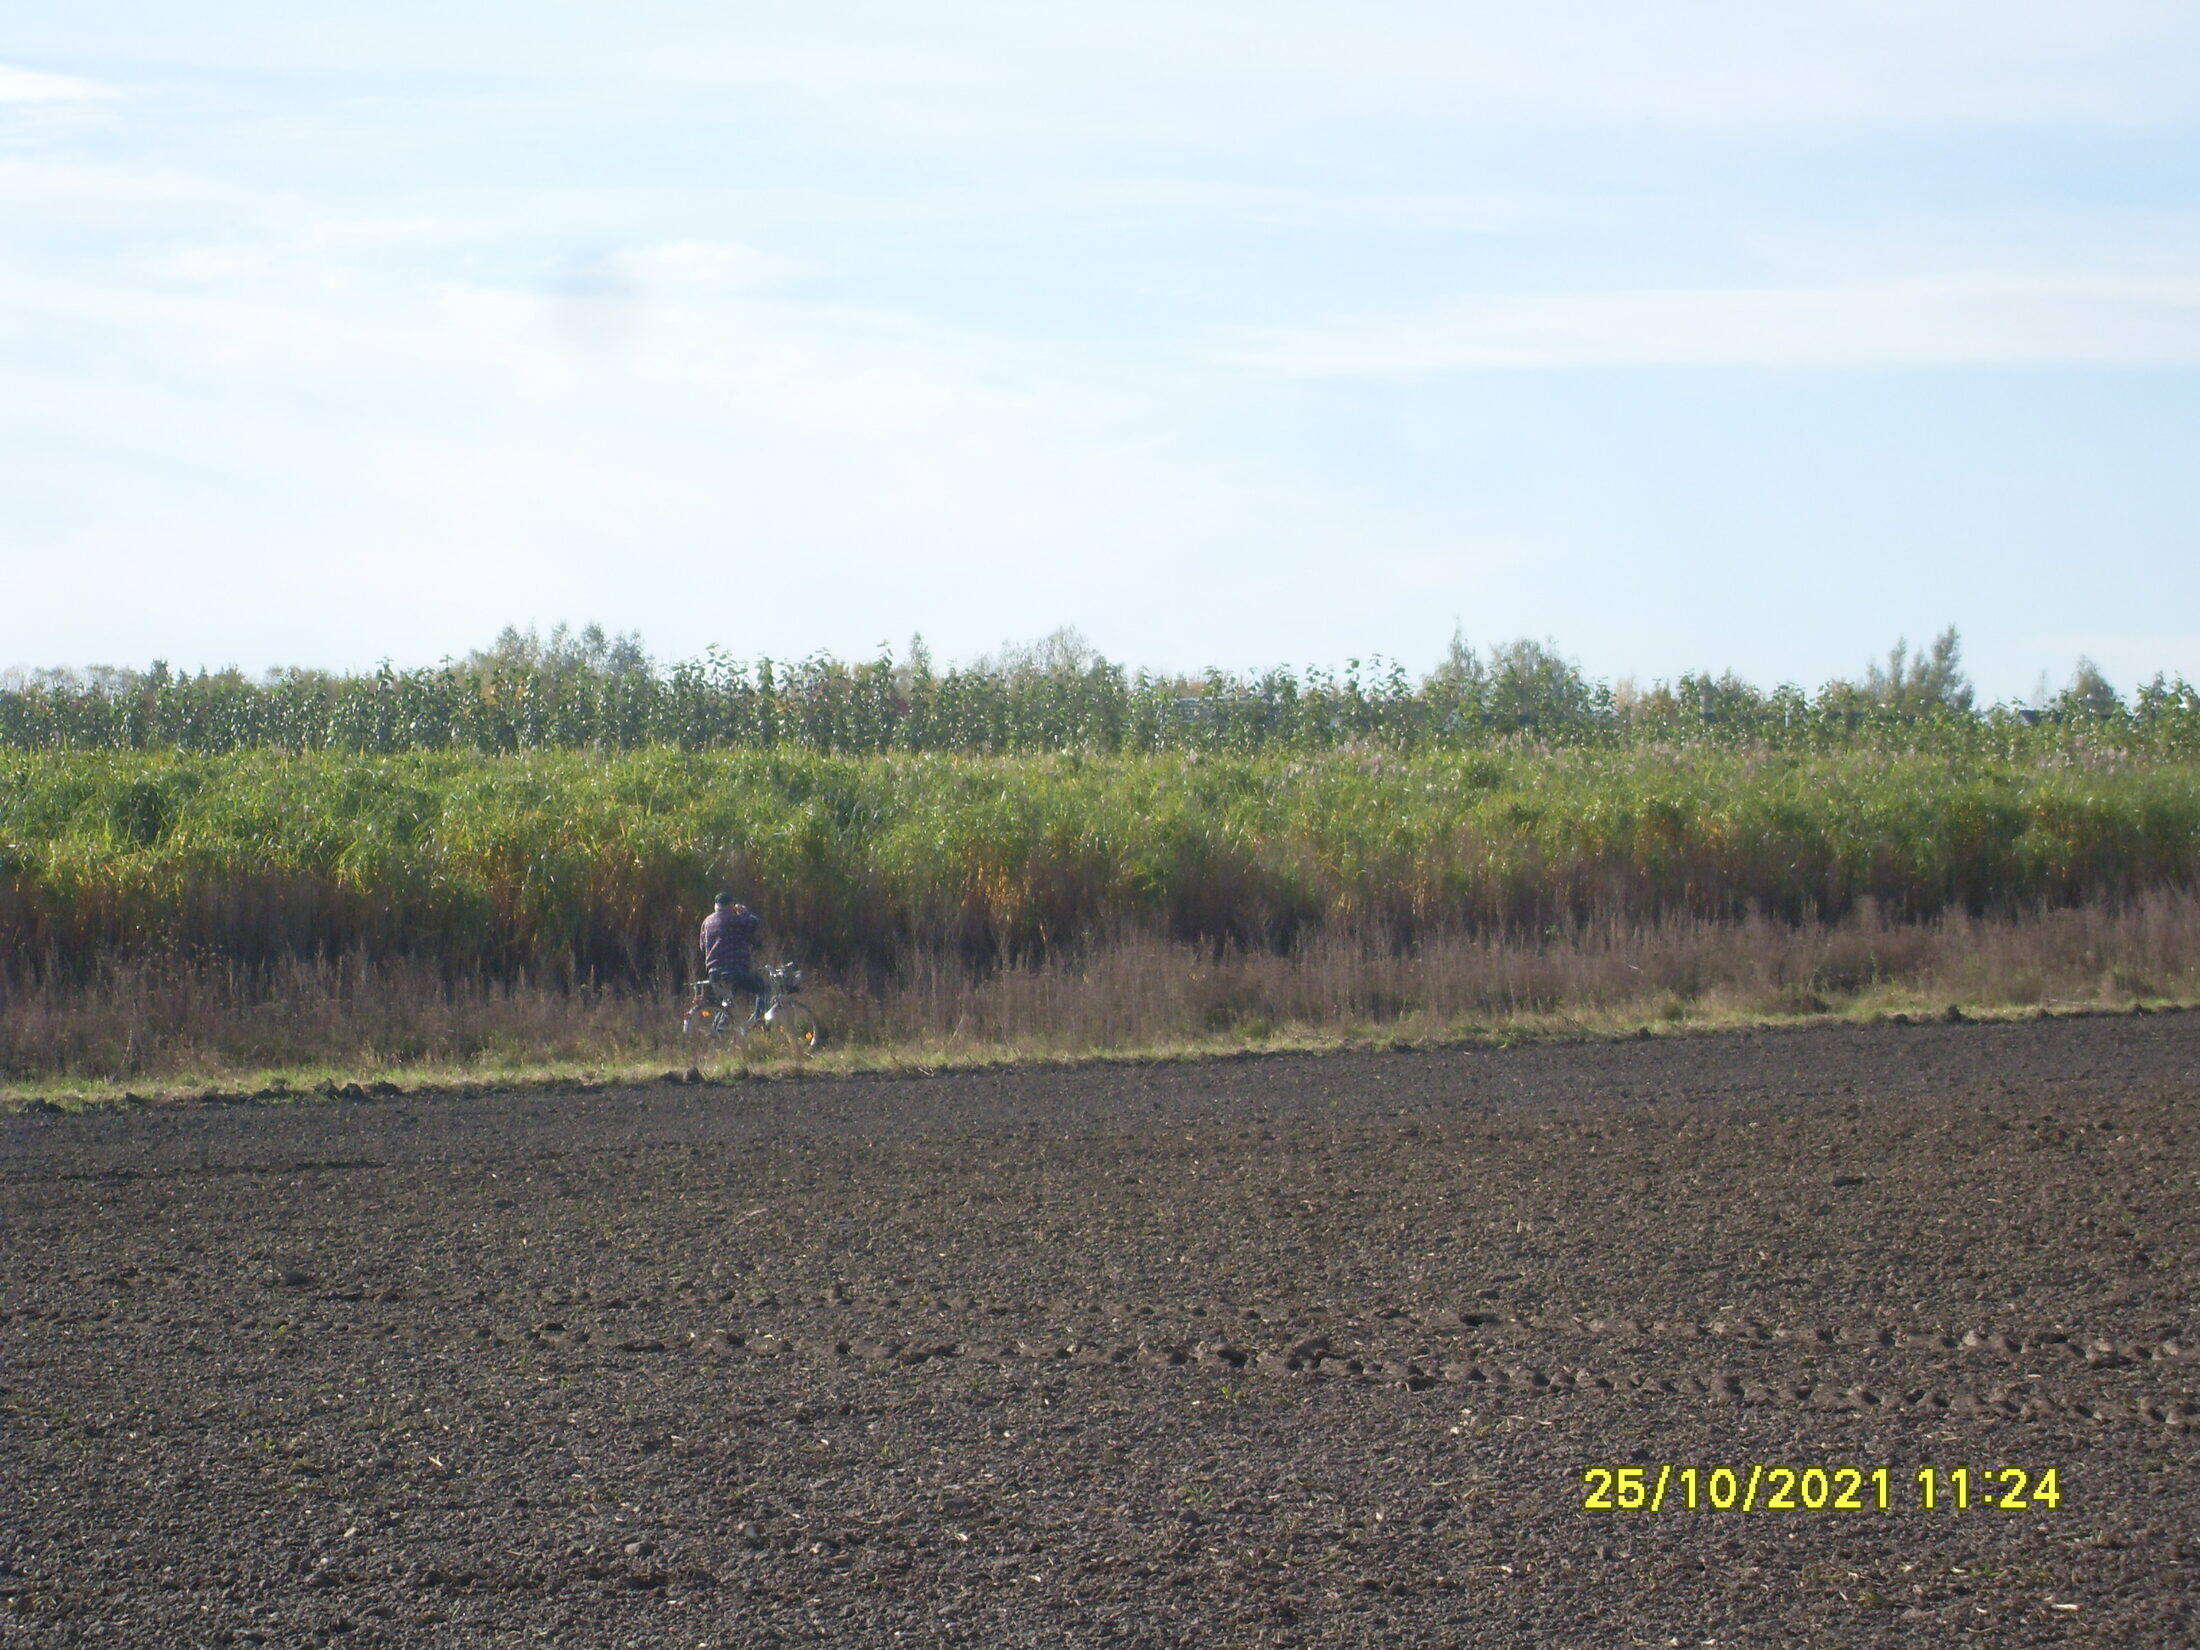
(1766, 1488)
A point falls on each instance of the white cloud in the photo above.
(345, 308)
(703, 267)
(1161, 71)
(32, 86)
(279, 444)
(1963, 320)
(1156, 67)
(980, 70)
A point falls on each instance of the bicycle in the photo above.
(710, 1013)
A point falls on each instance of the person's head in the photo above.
(723, 902)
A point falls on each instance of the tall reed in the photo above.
(579, 867)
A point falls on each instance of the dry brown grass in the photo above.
(203, 1020)
(1144, 993)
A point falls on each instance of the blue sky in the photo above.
(1689, 335)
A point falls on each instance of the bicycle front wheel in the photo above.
(796, 1024)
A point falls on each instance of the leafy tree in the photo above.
(2090, 695)
(564, 653)
(1061, 652)
(1923, 683)
(1534, 688)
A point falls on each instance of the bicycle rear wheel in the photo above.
(796, 1024)
(707, 1020)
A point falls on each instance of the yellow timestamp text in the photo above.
(1765, 1488)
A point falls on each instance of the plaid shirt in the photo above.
(727, 937)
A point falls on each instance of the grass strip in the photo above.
(300, 1085)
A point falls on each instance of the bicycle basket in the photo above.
(790, 978)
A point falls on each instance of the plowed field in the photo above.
(1266, 1352)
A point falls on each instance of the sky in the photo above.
(1686, 335)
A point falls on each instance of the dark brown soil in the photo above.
(1268, 1352)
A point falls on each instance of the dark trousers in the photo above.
(741, 979)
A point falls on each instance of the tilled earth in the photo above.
(1264, 1352)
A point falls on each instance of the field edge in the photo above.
(312, 1084)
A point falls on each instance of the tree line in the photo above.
(586, 690)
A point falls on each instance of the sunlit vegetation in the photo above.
(583, 866)
(430, 857)
(602, 694)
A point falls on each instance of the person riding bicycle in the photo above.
(729, 934)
